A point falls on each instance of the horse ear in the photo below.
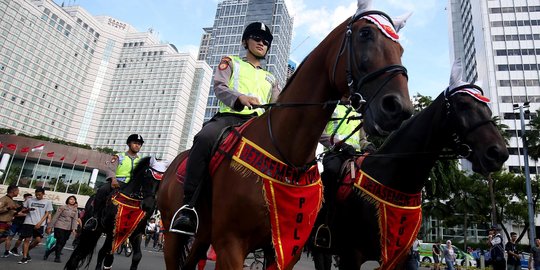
(363, 5)
(456, 74)
(399, 22)
(152, 161)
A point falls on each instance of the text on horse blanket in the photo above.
(294, 199)
(399, 216)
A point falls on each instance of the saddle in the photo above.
(226, 143)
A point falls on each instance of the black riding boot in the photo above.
(186, 219)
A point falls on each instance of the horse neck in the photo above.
(416, 145)
(298, 129)
(132, 187)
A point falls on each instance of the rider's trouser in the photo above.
(201, 151)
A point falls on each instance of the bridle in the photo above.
(356, 82)
(463, 150)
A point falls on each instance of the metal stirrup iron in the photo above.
(187, 208)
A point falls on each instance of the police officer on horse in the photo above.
(239, 84)
(120, 174)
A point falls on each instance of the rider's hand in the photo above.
(248, 101)
(48, 231)
(114, 183)
(370, 148)
(348, 149)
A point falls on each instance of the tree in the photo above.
(511, 205)
(533, 136)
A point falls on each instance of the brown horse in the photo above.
(458, 119)
(356, 59)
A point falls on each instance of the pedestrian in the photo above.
(64, 223)
(412, 260)
(150, 232)
(449, 255)
(436, 253)
(534, 259)
(513, 262)
(118, 175)
(496, 250)
(239, 84)
(32, 228)
(8, 209)
(15, 229)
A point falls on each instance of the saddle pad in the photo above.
(128, 216)
(399, 216)
(293, 210)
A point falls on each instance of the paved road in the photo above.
(151, 260)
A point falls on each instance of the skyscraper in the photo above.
(500, 44)
(232, 16)
(94, 80)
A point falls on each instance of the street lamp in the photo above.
(532, 227)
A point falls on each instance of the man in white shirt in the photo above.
(39, 213)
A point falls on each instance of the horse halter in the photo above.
(463, 150)
(355, 85)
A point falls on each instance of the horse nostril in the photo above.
(393, 106)
(497, 154)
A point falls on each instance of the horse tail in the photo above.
(84, 250)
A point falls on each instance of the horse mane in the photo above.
(314, 53)
(141, 166)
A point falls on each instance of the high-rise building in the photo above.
(500, 44)
(94, 80)
(205, 44)
(232, 16)
(291, 68)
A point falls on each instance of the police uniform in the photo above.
(233, 78)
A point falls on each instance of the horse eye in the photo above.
(365, 32)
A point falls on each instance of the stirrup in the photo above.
(95, 226)
(189, 208)
(323, 229)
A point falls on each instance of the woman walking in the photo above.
(64, 222)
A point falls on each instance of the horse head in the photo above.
(147, 175)
(368, 69)
(476, 135)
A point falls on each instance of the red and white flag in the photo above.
(12, 147)
(38, 147)
(50, 154)
(84, 161)
(25, 150)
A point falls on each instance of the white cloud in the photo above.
(191, 49)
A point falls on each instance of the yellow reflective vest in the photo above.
(125, 167)
(346, 128)
(249, 81)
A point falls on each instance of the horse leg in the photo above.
(105, 258)
(137, 253)
(230, 254)
(108, 261)
(197, 253)
(171, 250)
